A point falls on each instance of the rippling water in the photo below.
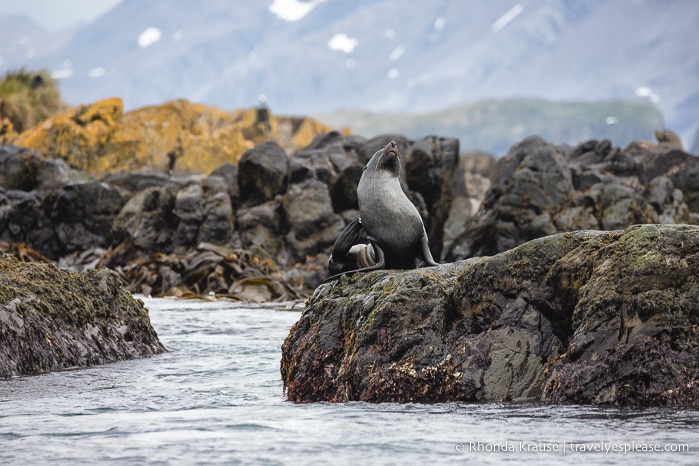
(216, 397)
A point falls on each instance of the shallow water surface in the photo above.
(216, 397)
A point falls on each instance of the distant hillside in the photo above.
(494, 125)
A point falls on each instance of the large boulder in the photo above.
(52, 319)
(583, 317)
(54, 208)
(83, 214)
(218, 219)
(471, 183)
(148, 220)
(263, 173)
(205, 213)
(259, 230)
(313, 226)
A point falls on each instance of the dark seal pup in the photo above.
(392, 224)
(351, 252)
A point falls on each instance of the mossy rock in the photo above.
(53, 319)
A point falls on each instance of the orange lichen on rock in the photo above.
(177, 137)
(76, 135)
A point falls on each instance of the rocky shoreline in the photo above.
(527, 231)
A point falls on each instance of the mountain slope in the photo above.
(387, 55)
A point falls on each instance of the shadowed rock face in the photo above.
(52, 319)
(584, 317)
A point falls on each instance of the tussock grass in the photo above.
(28, 97)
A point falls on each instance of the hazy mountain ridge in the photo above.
(387, 55)
(495, 125)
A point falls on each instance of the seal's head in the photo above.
(386, 159)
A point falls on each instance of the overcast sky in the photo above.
(54, 15)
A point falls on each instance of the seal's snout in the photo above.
(391, 147)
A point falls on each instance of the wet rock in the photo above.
(189, 211)
(260, 231)
(218, 216)
(23, 220)
(289, 208)
(684, 174)
(634, 320)
(262, 173)
(471, 183)
(136, 182)
(229, 173)
(55, 209)
(175, 217)
(583, 317)
(529, 185)
(52, 319)
(312, 164)
(343, 192)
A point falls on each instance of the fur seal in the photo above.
(393, 226)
